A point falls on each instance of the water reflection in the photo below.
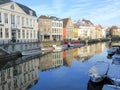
(86, 52)
(110, 44)
(23, 73)
(19, 74)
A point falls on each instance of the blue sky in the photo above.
(104, 12)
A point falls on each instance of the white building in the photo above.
(18, 23)
(57, 28)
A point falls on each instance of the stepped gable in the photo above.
(65, 22)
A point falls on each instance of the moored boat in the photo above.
(116, 59)
(112, 50)
(60, 48)
(110, 87)
(75, 44)
(114, 74)
(32, 52)
(47, 50)
(98, 71)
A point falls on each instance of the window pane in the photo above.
(0, 17)
(6, 17)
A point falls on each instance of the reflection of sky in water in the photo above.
(63, 78)
(74, 77)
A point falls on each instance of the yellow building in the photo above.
(115, 31)
(75, 32)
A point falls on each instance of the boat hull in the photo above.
(31, 52)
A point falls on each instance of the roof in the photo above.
(65, 21)
(4, 1)
(44, 17)
(50, 17)
(26, 9)
(23, 7)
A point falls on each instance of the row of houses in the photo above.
(19, 23)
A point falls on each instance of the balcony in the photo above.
(14, 27)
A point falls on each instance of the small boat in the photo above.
(112, 50)
(32, 52)
(60, 48)
(98, 71)
(47, 50)
(75, 44)
(110, 87)
(116, 59)
(114, 74)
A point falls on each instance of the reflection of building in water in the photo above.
(75, 52)
(68, 57)
(50, 61)
(19, 74)
(57, 59)
(45, 62)
(88, 51)
(115, 43)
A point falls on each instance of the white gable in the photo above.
(12, 7)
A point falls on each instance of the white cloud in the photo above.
(99, 12)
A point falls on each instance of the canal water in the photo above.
(65, 70)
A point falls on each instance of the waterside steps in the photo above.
(7, 56)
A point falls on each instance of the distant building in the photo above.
(86, 29)
(115, 31)
(18, 23)
(68, 29)
(50, 28)
(75, 33)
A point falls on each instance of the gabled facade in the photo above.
(18, 23)
(115, 31)
(86, 29)
(44, 28)
(69, 29)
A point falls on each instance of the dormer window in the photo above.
(12, 7)
(31, 12)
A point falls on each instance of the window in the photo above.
(12, 19)
(22, 20)
(18, 20)
(6, 17)
(30, 22)
(26, 21)
(12, 7)
(6, 33)
(18, 33)
(0, 17)
(34, 34)
(30, 12)
(23, 33)
(27, 34)
(1, 33)
(31, 34)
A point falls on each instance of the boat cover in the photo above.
(100, 68)
(114, 72)
(110, 87)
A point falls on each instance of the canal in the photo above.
(66, 70)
